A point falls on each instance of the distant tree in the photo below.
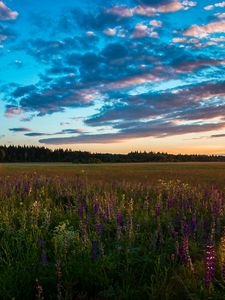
(41, 154)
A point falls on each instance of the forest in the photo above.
(23, 154)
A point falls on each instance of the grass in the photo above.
(112, 231)
(201, 173)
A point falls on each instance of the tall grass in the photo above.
(70, 238)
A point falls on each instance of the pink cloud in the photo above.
(179, 40)
(190, 66)
(211, 7)
(140, 31)
(110, 31)
(6, 13)
(156, 23)
(132, 81)
(205, 30)
(121, 11)
(148, 10)
(154, 34)
(220, 15)
(13, 111)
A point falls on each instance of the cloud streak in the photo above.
(6, 13)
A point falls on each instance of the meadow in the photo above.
(112, 231)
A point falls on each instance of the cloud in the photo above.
(12, 110)
(157, 129)
(220, 15)
(205, 30)
(154, 2)
(6, 33)
(110, 31)
(181, 103)
(217, 136)
(6, 13)
(54, 96)
(212, 6)
(156, 23)
(80, 78)
(64, 131)
(35, 134)
(180, 65)
(19, 129)
(140, 31)
(148, 9)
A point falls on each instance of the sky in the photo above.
(113, 76)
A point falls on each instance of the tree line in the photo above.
(42, 154)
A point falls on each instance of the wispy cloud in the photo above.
(6, 13)
(19, 129)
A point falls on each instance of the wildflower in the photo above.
(59, 279)
(193, 224)
(119, 219)
(157, 210)
(99, 229)
(184, 250)
(186, 230)
(96, 207)
(44, 260)
(41, 243)
(39, 291)
(169, 203)
(95, 251)
(210, 264)
(222, 248)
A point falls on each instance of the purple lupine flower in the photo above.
(186, 230)
(180, 203)
(214, 210)
(210, 264)
(119, 219)
(95, 251)
(44, 260)
(86, 213)
(81, 211)
(17, 187)
(169, 203)
(27, 187)
(222, 245)
(96, 207)
(157, 210)
(41, 243)
(183, 251)
(99, 229)
(192, 225)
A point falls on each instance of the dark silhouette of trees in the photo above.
(42, 154)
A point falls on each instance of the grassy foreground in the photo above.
(135, 231)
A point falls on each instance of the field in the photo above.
(122, 231)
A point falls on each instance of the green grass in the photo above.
(202, 173)
(111, 231)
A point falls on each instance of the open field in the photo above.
(112, 231)
(197, 173)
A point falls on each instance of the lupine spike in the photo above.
(210, 264)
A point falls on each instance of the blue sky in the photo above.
(113, 76)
